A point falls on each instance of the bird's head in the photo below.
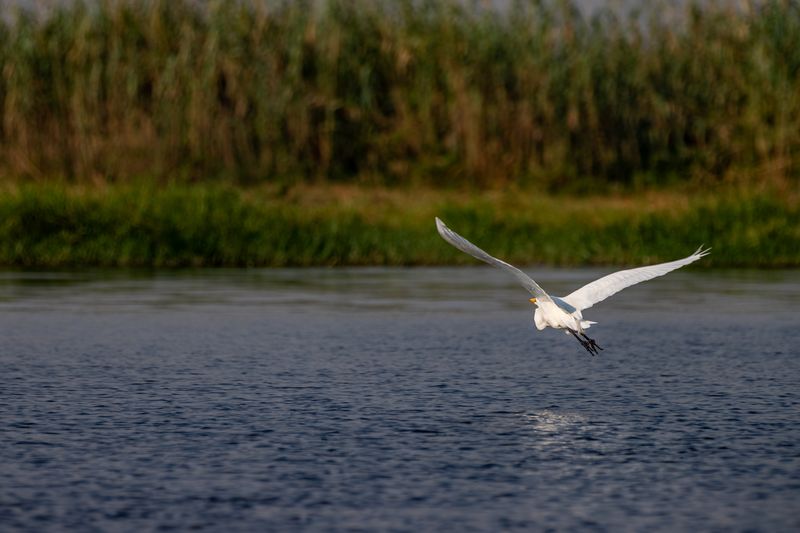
(532, 300)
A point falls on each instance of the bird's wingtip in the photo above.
(701, 251)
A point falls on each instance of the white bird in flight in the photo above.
(565, 312)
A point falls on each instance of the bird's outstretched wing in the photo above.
(467, 247)
(599, 290)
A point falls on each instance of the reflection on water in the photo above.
(395, 399)
(411, 289)
(547, 421)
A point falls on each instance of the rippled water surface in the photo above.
(395, 399)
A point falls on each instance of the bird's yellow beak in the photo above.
(532, 300)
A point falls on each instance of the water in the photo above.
(395, 400)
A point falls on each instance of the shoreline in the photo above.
(58, 226)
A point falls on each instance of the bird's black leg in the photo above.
(592, 342)
(589, 348)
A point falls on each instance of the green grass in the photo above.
(56, 226)
(388, 94)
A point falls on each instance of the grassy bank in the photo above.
(54, 226)
(430, 93)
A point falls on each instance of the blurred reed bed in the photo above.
(52, 225)
(410, 92)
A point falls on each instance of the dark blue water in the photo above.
(395, 400)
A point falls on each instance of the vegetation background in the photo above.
(168, 133)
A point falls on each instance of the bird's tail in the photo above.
(586, 324)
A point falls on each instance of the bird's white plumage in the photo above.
(565, 313)
(468, 248)
(599, 290)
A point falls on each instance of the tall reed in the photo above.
(411, 92)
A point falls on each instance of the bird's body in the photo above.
(565, 312)
(559, 314)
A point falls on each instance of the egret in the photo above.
(566, 312)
